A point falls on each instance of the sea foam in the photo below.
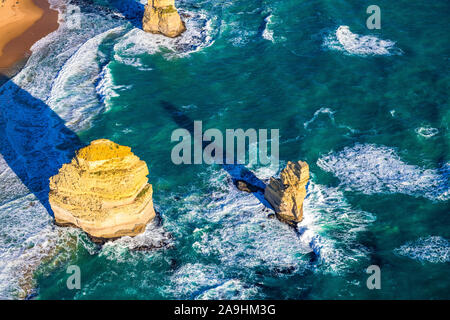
(432, 249)
(136, 42)
(371, 169)
(268, 32)
(351, 43)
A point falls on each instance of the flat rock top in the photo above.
(103, 150)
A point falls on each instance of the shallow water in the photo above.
(367, 109)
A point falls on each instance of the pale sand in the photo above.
(22, 23)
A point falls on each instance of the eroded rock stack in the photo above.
(104, 191)
(286, 194)
(161, 16)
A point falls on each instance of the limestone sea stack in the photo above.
(286, 194)
(104, 190)
(161, 16)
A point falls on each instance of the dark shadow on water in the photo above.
(236, 171)
(132, 10)
(34, 140)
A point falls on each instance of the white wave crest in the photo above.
(351, 43)
(268, 33)
(106, 88)
(326, 111)
(73, 95)
(431, 249)
(370, 169)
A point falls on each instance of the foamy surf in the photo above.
(29, 236)
(73, 95)
(432, 249)
(268, 32)
(207, 282)
(136, 42)
(370, 169)
(124, 248)
(234, 228)
(354, 44)
(331, 226)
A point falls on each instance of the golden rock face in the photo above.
(161, 16)
(286, 194)
(104, 190)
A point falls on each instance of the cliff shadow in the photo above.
(34, 140)
(132, 10)
(237, 172)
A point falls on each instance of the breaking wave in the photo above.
(331, 227)
(73, 95)
(268, 33)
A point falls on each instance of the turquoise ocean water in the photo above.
(367, 109)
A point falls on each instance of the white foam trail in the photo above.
(207, 282)
(191, 278)
(370, 169)
(351, 43)
(326, 111)
(26, 239)
(432, 249)
(268, 33)
(427, 132)
(106, 88)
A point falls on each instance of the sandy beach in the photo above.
(22, 23)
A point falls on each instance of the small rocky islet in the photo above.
(104, 190)
(161, 16)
